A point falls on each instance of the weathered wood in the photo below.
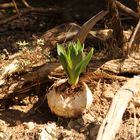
(32, 78)
(61, 34)
(112, 121)
(67, 32)
(119, 66)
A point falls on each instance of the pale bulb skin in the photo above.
(71, 106)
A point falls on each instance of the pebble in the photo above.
(44, 135)
(93, 131)
(83, 129)
(136, 101)
(1, 136)
(88, 118)
(29, 125)
(2, 126)
(108, 94)
(49, 132)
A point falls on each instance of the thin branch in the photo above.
(133, 37)
(6, 5)
(14, 17)
(26, 4)
(127, 10)
(17, 10)
(33, 10)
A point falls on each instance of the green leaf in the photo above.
(80, 47)
(83, 64)
(86, 60)
(62, 56)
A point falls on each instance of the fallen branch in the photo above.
(14, 17)
(61, 33)
(37, 75)
(32, 10)
(120, 66)
(6, 5)
(127, 10)
(26, 4)
(66, 32)
(112, 122)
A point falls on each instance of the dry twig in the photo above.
(6, 5)
(32, 10)
(17, 10)
(127, 10)
(26, 4)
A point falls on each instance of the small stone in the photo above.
(44, 135)
(29, 125)
(48, 132)
(51, 127)
(2, 82)
(74, 125)
(80, 121)
(108, 94)
(83, 129)
(87, 118)
(93, 131)
(1, 136)
(2, 126)
(131, 105)
(136, 101)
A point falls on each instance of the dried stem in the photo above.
(36, 10)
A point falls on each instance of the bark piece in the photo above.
(120, 66)
(69, 31)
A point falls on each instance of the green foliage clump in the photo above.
(73, 60)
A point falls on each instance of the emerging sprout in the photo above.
(73, 60)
